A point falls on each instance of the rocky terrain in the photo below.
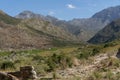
(25, 73)
(83, 71)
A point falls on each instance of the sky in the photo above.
(62, 9)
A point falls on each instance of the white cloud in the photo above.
(51, 13)
(71, 6)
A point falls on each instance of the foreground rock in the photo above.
(25, 73)
(118, 54)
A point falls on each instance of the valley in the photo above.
(54, 49)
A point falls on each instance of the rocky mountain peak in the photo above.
(108, 14)
(28, 15)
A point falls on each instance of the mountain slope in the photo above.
(108, 14)
(77, 27)
(8, 19)
(109, 33)
(30, 33)
(85, 28)
(48, 28)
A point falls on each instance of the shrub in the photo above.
(7, 64)
(109, 75)
(59, 61)
(38, 58)
(109, 44)
(97, 75)
(95, 51)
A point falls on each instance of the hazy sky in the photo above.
(62, 9)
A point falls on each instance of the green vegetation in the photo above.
(44, 60)
(7, 65)
(47, 60)
(88, 51)
(59, 61)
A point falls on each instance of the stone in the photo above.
(5, 76)
(25, 73)
(118, 53)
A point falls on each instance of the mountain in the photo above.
(109, 14)
(48, 28)
(28, 15)
(107, 34)
(87, 28)
(32, 33)
(83, 29)
(77, 27)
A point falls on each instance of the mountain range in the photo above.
(29, 30)
(83, 29)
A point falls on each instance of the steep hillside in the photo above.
(109, 33)
(48, 28)
(84, 29)
(30, 33)
(17, 37)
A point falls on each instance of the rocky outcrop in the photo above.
(5, 76)
(25, 73)
(118, 54)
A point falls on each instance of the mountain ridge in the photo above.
(84, 29)
(108, 33)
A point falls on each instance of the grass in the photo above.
(34, 57)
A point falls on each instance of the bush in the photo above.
(59, 61)
(95, 51)
(7, 64)
(109, 44)
(84, 55)
(38, 58)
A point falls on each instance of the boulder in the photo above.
(25, 73)
(5, 76)
(118, 53)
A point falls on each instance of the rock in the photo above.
(76, 62)
(118, 53)
(25, 73)
(5, 76)
(28, 72)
